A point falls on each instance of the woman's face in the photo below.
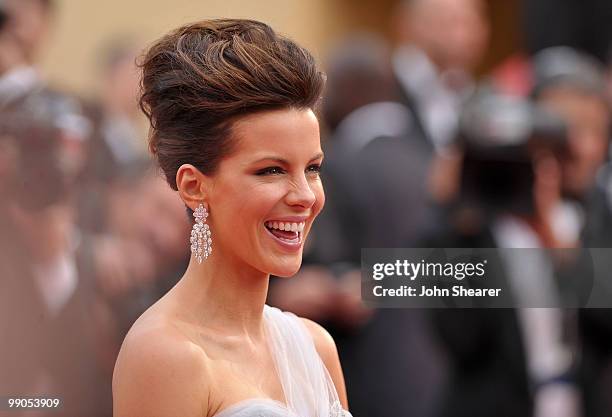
(269, 182)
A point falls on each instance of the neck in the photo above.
(224, 295)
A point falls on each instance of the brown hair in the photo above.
(200, 78)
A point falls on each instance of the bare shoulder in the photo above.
(324, 342)
(326, 348)
(159, 372)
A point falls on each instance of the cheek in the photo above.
(249, 204)
(320, 197)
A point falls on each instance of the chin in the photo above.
(286, 270)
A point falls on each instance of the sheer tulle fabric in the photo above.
(307, 386)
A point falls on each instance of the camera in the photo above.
(499, 136)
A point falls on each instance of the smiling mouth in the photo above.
(286, 232)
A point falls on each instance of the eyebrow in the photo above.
(284, 161)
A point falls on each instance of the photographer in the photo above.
(508, 362)
(571, 84)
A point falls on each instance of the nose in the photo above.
(301, 193)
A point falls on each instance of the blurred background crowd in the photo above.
(446, 123)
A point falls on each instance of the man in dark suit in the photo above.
(440, 42)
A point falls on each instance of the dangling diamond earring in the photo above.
(201, 241)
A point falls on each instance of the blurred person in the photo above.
(11, 53)
(17, 77)
(136, 260)
(118, 135)
(126, 265)
(125, 260)
(22, 36)
(166, 235)
(434, 70)
(23, 33)
(70, 289)
(359, 74)
(121, 124)
(369, 121)
(139, 260)
(21, 356)
(233, 129)
(30, 23)
(572, 85)
(49, 343)
(509, 362)
(440, 42)
(374, 173)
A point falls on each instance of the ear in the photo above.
(192, 185)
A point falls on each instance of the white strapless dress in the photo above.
(307, 386)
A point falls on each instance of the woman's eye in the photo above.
(312, 169)
(315, 168)
(270, 171)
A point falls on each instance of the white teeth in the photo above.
(293, 227)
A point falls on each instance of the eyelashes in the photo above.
(276, 170)
(314, 168)
(270, 171)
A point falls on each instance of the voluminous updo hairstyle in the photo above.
(200, 78)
